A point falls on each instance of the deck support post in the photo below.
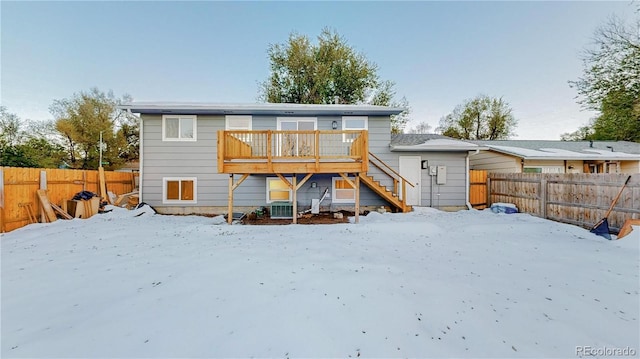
(295, 198)
(356, 186)
(232, 187)
(357, 198)
(230, 199)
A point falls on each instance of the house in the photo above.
(221, 158)
(536, 156)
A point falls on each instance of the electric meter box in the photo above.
(441, 175)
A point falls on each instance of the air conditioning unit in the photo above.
(281, 210)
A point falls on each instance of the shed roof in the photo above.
(429, 142)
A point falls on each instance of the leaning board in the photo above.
(46, 205)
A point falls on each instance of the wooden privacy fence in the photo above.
(478, 189)
(18, 188)
(580, 199)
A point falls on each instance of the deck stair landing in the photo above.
(394, 197)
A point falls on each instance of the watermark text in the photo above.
(586, 350)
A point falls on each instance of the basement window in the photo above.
(341, 191)
(179, 190)
(277, 190)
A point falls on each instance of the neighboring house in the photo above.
(537, 156)
(130, 166)
(219, 158)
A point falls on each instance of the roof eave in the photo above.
(566, 158)
(435, 149)
(578, 158)
(260, 109)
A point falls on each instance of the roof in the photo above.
(430, 142)
(195, 108)
(561, 150)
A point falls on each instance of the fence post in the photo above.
(543, 197)
(488, 192)
(43, 185)
(2, 220)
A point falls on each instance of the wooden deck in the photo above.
(293, 152)
(305, 153)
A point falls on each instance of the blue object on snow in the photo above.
(503, 208)
(602, 229)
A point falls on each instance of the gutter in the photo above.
(467, 181)
(140, 152)
(436, 148)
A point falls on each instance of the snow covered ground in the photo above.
(423, 284)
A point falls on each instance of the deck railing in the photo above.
(290, 145)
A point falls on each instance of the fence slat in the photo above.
(20, 185)
(576, 198)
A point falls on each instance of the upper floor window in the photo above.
(291, 144)
(179, 127)
(238, 122)
(354, 123)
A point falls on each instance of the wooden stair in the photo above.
(384, 192)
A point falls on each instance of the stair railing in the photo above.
(395, 176)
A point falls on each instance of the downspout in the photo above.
(140, 153)
(467, 180)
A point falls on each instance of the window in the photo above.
(238, 122)
(342, 192)
(353, 123)
(179, 190)
(277, 190)
(178, 128)
(296, 144)
(543, 169)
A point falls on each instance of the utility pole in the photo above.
(100, 165)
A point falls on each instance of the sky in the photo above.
(132, 284)
(439, 54)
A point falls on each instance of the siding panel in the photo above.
(198, 159)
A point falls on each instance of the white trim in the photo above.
(164, 190)
(297, 120)
(141, 158)
(544, 169)
(238, 117)
(269, 179)
(408, 166)
(345, 128)
(194, 118)
(365, 118)
(334, 198)
(279, 121)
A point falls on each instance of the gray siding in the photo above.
(198, 159)
(182, 159)
(450, 194)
